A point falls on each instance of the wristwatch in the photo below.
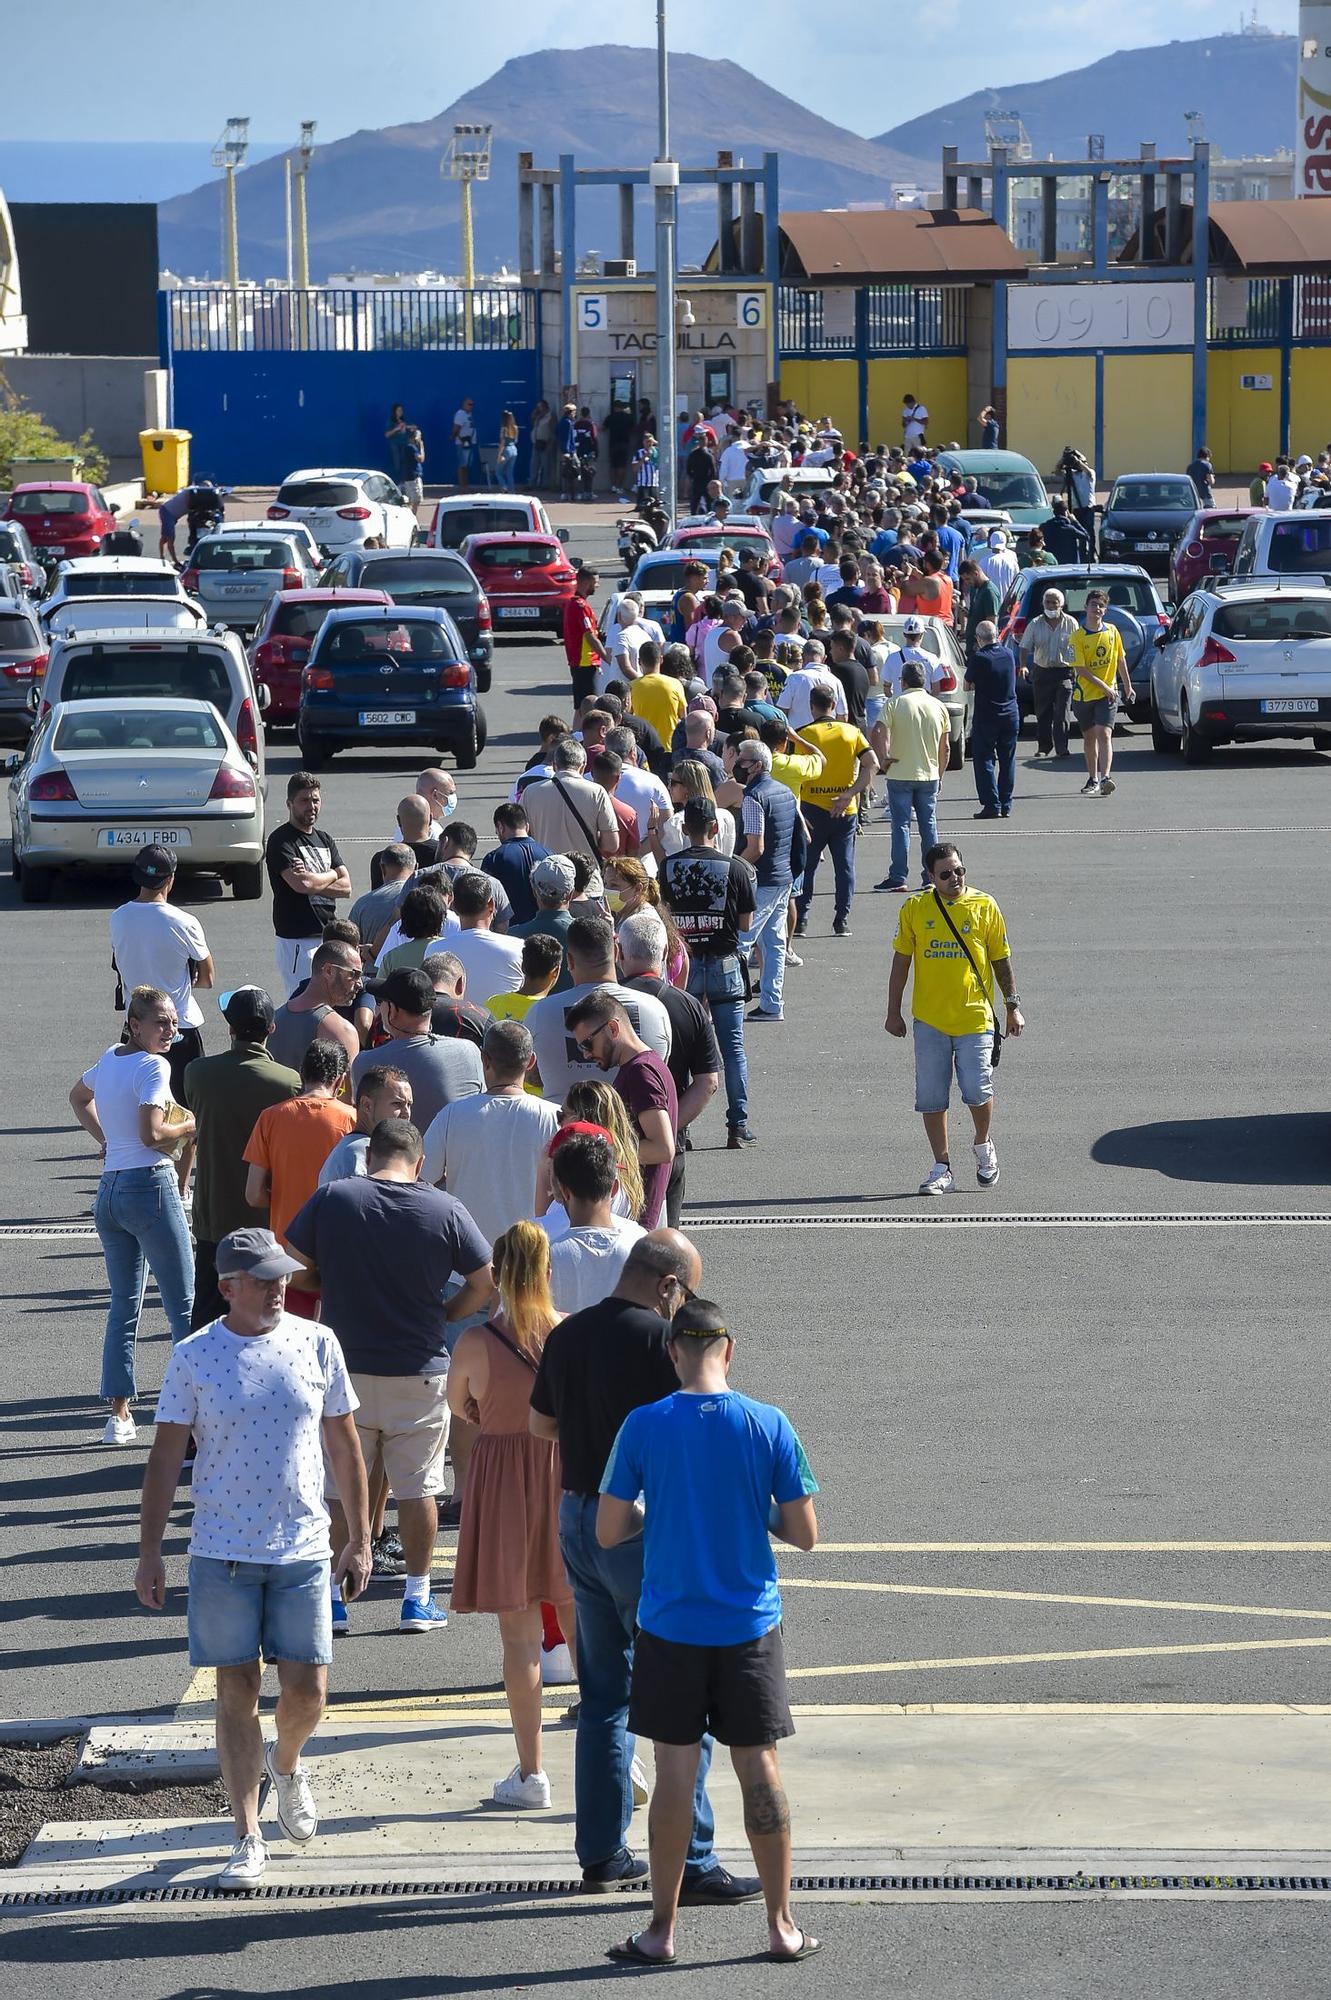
(1013, 999)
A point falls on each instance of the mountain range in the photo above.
(377, 202)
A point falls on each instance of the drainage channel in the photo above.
(1159, 1219)
(803, 1885)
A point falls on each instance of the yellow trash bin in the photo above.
(165, 460)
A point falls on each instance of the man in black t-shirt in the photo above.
(711, 897)
(307, 875)
(597, 1366)
(841, 662)
(619, 427)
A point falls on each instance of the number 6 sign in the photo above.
(751, 308)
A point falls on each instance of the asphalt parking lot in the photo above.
(1069, 1433)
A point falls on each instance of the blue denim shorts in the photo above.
(241, 1611)
(935, 1056)
(874, 704)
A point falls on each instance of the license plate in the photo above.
(141, 836)
(1289, 707)
(518, 610)
(53, 550)
(380, 718)
(238, 589)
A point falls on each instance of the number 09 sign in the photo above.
(1055, 318)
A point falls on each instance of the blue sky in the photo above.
(127, 70)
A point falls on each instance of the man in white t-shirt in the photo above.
(639, 787)
(733, 469)
(485, 1150)
(627, 636)
(585, 1262)
(266, 1395)
(914, 419)
(793, 699)
(910, 651)
(1281, 488)
(155, 945)
(493, 964)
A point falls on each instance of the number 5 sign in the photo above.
(751, 308)
(592, 313)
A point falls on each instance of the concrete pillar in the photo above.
(750, 238)
(725, 226)
(950, 177)
(526, 218)
(626, 219)
(1144, 229)
(546, 199)
(975, 191)
(1049, 219)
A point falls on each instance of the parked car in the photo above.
(463, 514)
(1134, 606)
(125, 614)
(1293, 545)
(709, 538)
(283, 637)
(939, 639)
(159, 665)
(1237, 665)
(393, 676)
(1206, 548)
(1145, 515)
(658, 577)
(298, 530)
(91, 577)
(62, 517)
(527, 579)
(1008, 482)
(346, 508)
(99, 779)
(769, 485)
(233, 576)
(22, 664)
(18, 554)
(426, 576)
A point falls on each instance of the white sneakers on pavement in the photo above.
(1091, 789)
(529, 1794)
(246, 1866)
(557, 1667)
(986, 1164)
(119, 1430)
(297, 1814)
(938, 1180)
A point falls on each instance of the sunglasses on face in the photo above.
(948, 874)
(586, 1044)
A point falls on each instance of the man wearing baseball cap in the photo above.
(266, 1396)
(226, 1093)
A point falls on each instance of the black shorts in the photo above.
(179, 1056)
(737, 1693)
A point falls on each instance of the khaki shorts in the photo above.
(404, 1417)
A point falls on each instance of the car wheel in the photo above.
(466, 749)
(36, 884)
(315, 753)
(1163, 742)
(15, 865)
(956, 755)
(483, 678)
(1322, 739)
(247, 882)
(482, 728)
(1196, 748)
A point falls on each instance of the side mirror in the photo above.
(13, 762)
(265, 696)
(111, 507)
(1161, 639)
(562, 534)
(34, 698)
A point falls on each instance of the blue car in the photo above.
(383, 675)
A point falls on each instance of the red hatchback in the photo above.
(527, 578)
(739, 538)
(1206, 548)
(283, 638)
(63, 517)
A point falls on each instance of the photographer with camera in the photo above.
(1076, 475)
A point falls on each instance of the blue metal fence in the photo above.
(876, 319)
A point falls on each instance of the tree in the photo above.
(24, 433)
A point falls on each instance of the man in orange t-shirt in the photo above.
(927, 591)
(289, 1144)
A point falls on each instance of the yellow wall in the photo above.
(1309, 399)
(939, 380)
(1242, 425)
(825, 389)
(1050, 403)
(1147, 414)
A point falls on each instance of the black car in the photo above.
(1144, 516)
(420, 577)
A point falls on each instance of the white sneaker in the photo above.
(638, 1780)
(529, 1794)
(557, 1667)
(297, 1814)
(986, 1164)
(938, 1180)
(119, 1430)
(1091, 789)
(246, 1867)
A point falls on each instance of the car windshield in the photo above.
(16, 634)
(111, 729)
(1224, 528)
(1300, 545)
(318, 493)
(1127, 593)
(381, 640)
(1002, 490)
(299, 621)
(1274, 618)
(1152, 496)
(516, 555)
(456, 523)
(234, 554)
(40, 501)
(404, 577)
(147, 670)
(105, 583)
(663, 575)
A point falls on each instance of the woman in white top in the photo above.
(688, 781)
(123, 1101)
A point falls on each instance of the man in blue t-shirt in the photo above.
(718, 1475)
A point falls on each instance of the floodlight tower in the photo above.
(230, 153)
(468, 160)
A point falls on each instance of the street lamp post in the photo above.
(305, 153)
(229, 153)
(663, 176)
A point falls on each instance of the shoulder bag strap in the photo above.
(511, 1345)
(592, 844)
(993, 1011)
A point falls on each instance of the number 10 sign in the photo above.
(1051, 318)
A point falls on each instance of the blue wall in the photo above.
(257, 416)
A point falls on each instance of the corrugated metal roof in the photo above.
(1272, 236)
(864, 246)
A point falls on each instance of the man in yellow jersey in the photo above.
(1101, 668)
(829, 802)
(956, 941)
(657, 697)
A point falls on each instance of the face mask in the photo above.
(447, 811)
(614, 899)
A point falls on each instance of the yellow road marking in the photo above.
(202, 1688)
(1045, 1597)
(1042, 1659)
(1059, 1548)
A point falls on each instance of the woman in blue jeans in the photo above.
(123, 1101)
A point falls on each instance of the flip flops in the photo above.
(808, 1946)
(632, 1953)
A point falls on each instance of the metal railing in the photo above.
(1264, 312)
(875, 319)
(362, 320)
